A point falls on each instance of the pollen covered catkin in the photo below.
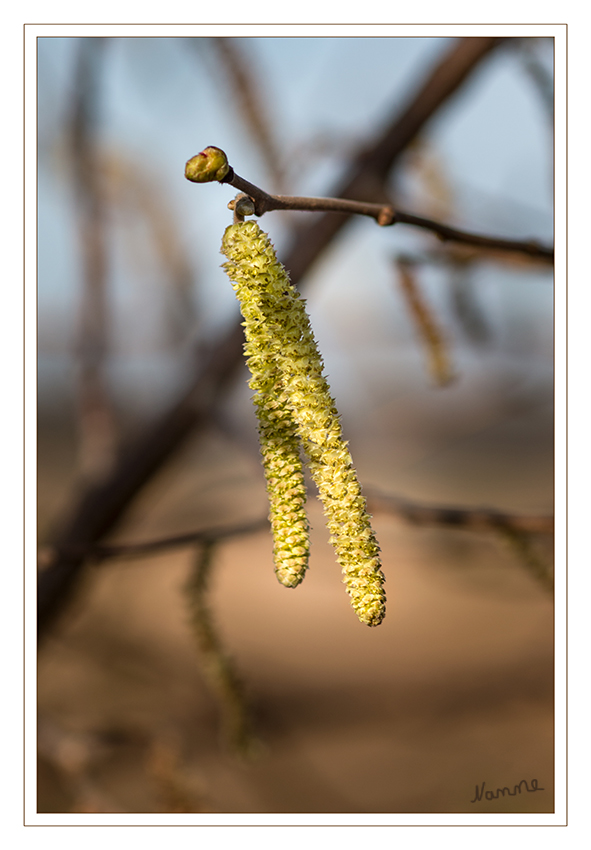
(285, 481)
(293, 400)
(280, 445)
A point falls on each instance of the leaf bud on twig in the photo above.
(208, 166)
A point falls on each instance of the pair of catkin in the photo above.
(294, 407)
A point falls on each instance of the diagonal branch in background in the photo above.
(367, 176)
(99, 508)
(250, 100)
(426, 324)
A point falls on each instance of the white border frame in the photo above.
(31, 33)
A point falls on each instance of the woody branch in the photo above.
(212, 165)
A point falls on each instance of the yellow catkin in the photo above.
(280, 445)
(288, 377)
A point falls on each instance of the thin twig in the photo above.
(385, 215)
(514, 529)
(530, 248)
(476, 519)
(263, 202)
(147, 547)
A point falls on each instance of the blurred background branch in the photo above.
(426, 324)
(217, 666)
(250, 100)
(516, 527)
(97, 433)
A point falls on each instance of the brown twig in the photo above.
(514, 529)
(530, 248)
(385, 215)
(97, 510)
(147, 547)
(477, 519)
(263, 202)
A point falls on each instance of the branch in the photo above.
(384, 214)
(99, 508)
(530, 247)
(368, 174)
(147, 547)
(263, 202)
(211, 165)
(514, 529)
(475, 519)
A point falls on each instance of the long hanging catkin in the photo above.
(293, 398)
(280, 445)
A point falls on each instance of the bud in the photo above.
(208, 166)
(244, 206)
